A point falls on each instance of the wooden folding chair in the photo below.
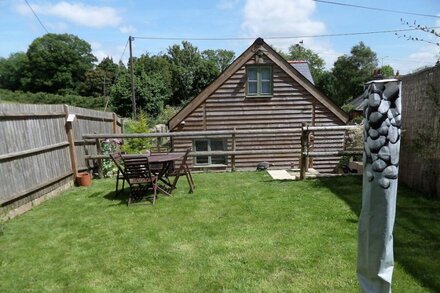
(137, 173)
(182, 170)
(117, 159)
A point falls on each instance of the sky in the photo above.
(107, 24)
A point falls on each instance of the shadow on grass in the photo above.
(122, 198)
(416, 230)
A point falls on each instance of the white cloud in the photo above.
(76, 13)
(227, 4)
(127, 29)
(57, 26)
(287, 18)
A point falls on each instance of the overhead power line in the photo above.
(278, 37)
(36, 16)
(377, 9)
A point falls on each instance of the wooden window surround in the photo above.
(259, 81)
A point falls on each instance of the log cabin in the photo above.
(260, 90)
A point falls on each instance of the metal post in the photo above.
(133, 95)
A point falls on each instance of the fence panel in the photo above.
(34, 149)
(420, 146)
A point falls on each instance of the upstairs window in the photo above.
(259, 80)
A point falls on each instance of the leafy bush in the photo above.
(20, 97)
(108, 147)
(137, 145)
(167, 113)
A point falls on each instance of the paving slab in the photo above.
(280, 175)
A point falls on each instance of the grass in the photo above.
(238, 232)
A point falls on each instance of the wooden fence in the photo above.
(420, 145)
(233, 134)
(40, 151)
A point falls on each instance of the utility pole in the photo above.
(133, 96)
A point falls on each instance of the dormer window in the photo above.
(259, 80)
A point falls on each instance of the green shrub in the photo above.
(97, 103)
(137, 145)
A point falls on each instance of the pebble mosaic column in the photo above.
(382, 111)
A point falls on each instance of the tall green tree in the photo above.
(387, 71)
(58, 63)
(98, 81)
(220, 58)
(153, 90)
(12, 71)
(316, 63)
(352, 71)
(191, 72)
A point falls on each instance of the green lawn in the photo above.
(239, 232)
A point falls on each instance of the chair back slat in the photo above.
(117, 159)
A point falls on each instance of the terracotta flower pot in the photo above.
(84, 179)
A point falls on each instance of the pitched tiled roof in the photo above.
(302, 67)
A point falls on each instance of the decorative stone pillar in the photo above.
(382, 110)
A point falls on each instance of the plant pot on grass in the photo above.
(84, 179)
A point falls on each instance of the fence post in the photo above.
(99, 152)
(303, 161)
(71, 141)
(234, 146)
(115, 119)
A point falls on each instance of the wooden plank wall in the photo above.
(420, 166)
(34, 150)
(291, 104)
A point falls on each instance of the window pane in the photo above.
(201, 145)
(202, 160)
(252, 74)
(217, 145)
(265, 87)
(265, 73)
(252, 88)
(218, 160)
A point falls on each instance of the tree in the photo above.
(387, 71)
(97, 81)
(352, 71)
(12, 70)
(191, 73)
(58, 63)
(316, 63)
(220, 58)
(153, 88)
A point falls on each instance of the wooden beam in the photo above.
(329, 128)
(303, 164)
(332, 153)
(89, 117)
(194, 133)
(46, 148)
(234, 149)
(114, 124)
(4, 115)
(219, 153)
(71, 140)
